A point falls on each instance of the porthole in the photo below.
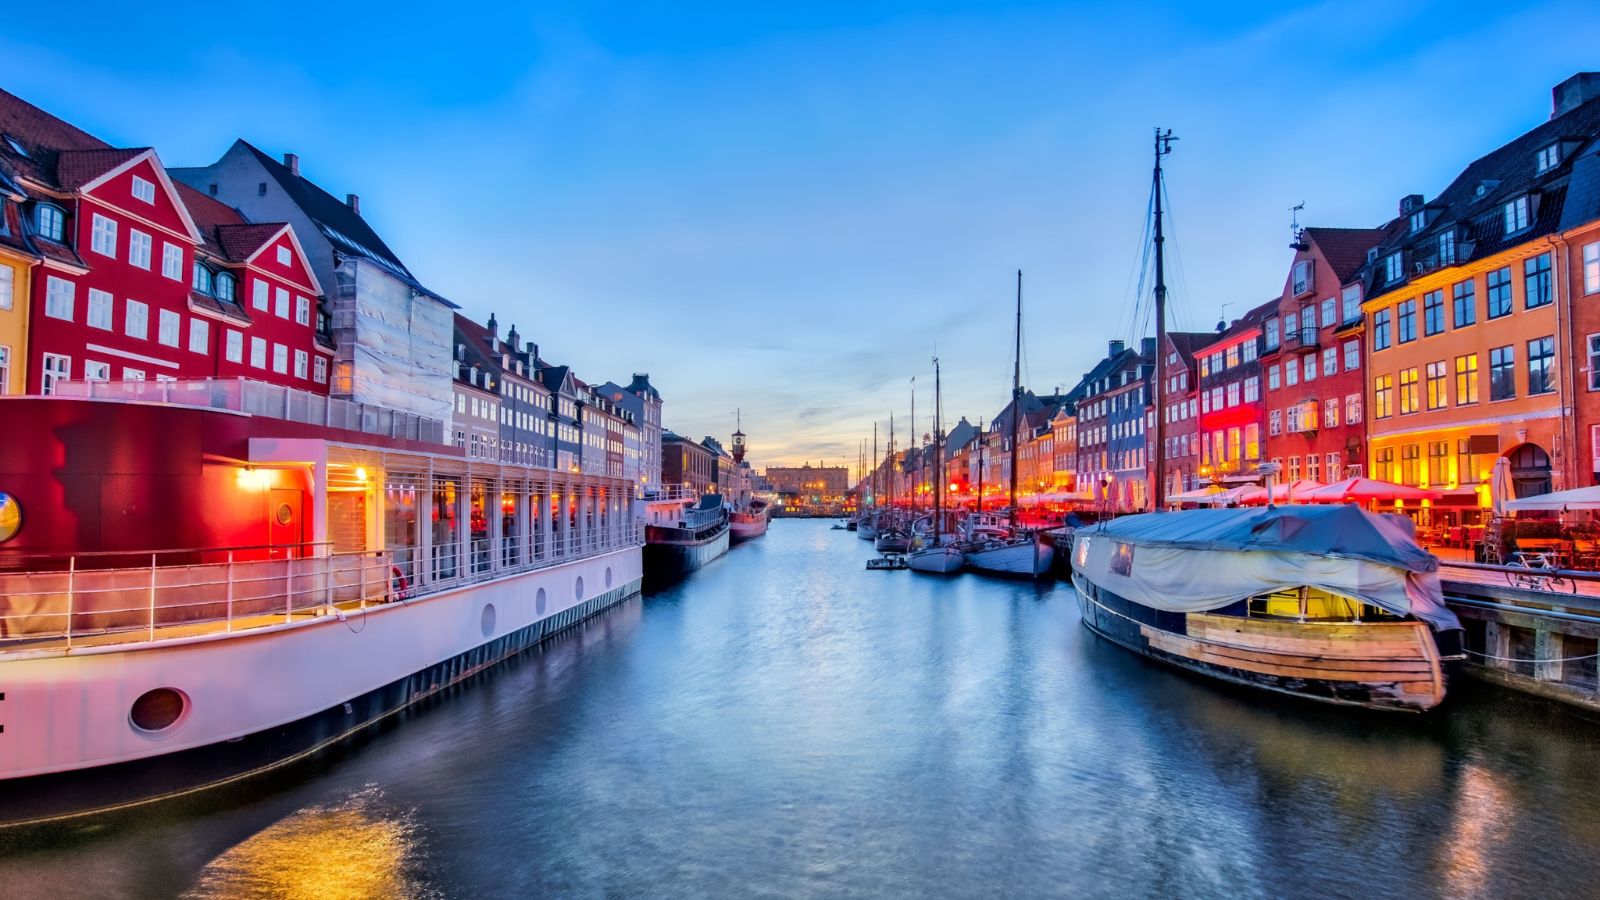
(577, 590)
(608, 578)
(159, 710)
(285, 514)
(539, 602)
(10, 517)
(486, 621)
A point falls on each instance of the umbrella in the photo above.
(1500, 486)
(1200, 495)
(1577, 498)
(1296, 492)
(1234, 495)
(1360, 490)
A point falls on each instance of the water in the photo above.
(786, 724)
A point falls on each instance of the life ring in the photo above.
(399, 587)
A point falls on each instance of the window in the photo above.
(258, 295)
(99, 309)
(1328, 313)
(1291, 373)
(1536, 281)
(1516, 215)
(50, 222)
(1438, 462)
(1465, 303)
(103, 239)
(1547, 158)
(7, 288)
(1591, 268)
(1408, 391)
(1352, 409)
(1351, 299)
(283, 255)
(1330, 412)
(1406, 321)
(1380, 330)
(58, 294)
(280, 306)
(1541, 365)
(1409, 460)
(1467, 379)
(96, 371)
(199, 335)
(1271, 327)
(1594, 362)
(1247, 351)
(1352, 355)
(1309, 363)
(1447, 247)
(258, 352)
(301, 361)
(1432, 313)
(1294, 469)
(168, 325)
(1393, 267)
(1304, 277)
(1330, 361)
(1272, 378)
(1235, 445)
(172, 261)
(319, 370)
(280, 359)
(302, 310)
(1231, 357)
(1252, 389)
(1313, 467)
(1291, 325)
(1419, 220)
(224, 286)
(1383, 464)
(143, 190)
(5, 370)
(202, 278)
(1383, 397)
(132, 374)
(1252, 441)
(1499, 292)
(138, 248)
(1438, 389)
(1502, 373)
(235, 346)
(136, 323)
(57, 368)
(1233, 394)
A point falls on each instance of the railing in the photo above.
(261, 399)
(114, 598)
(672, 492)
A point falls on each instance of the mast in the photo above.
(1164, 141)
(1016, 402)
(875, 465)
(890, 464)
(938, 458)
(915, 446)
(983, 444)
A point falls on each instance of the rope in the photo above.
(1516, 659)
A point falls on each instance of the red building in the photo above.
(1315, 360)
(143, 280)
(1180, 455)
(1231, 407)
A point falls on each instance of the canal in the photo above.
(786, 724)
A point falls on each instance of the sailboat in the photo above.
(891, 538)
(867, 528)
(1330, 603)
(1019, 554)
(938, 558)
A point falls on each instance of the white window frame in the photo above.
(140, 248)
(302, 310)
(283, 255)
(1591, 268)
(54, 368)
(280, 359)
(280, 302)
(144, 190)
(301, 364)
(199, 335)
(1515, 214)
(132, 374)
(8, 287)
(259, 295)
(233, 346)
(103, 236)
(136, 320)
(5, 370)
(59, 294)
(172, 261)
(99, 311)
(94, 370)
(169, 327)
(258, 353)
(319, 370)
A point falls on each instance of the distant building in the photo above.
(642, 399)
(808, 486)
(687, 463)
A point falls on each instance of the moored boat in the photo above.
(1328, 603)
(682, 536)
(1026, 555)
(750, 523)
(893, 540)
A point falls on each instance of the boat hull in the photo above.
(262, 698)
(1378, 665)
(1022, 560)
(867, 532)
(892, 543)
(937, 561)
(669, 561)
(741, 530)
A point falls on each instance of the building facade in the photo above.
(1231, 408)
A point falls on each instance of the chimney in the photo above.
(1410, 203)
(1147, 346)
(293, 162)
(354, 202)
(1574, 92)
(493, 325)
(514, 339)
(1115, 347)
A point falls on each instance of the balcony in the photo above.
(1300, 341)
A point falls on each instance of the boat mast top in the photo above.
(1016, 402)
(1164, 141)
(938, 458)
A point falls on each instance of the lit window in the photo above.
(99, 309)
(143, 190)
(1383, 396)
(1438, 392)
(1408, 391)
(137, 322)
(1467, 379)
(58, 296)
(103, 238)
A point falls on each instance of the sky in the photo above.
(789, 211)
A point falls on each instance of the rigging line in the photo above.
(1137, 271)
(1177, 249)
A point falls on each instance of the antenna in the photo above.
(1222, 320)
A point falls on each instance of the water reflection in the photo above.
(355, 850)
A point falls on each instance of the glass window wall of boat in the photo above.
(446, 543)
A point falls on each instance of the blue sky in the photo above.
(790, 210)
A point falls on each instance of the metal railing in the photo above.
(262, 399)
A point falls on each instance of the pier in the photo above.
(1535, 641)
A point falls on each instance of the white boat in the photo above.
(1024, 556)
(937, 560)
(940, 558)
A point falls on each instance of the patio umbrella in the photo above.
(1361, 490)
(1199, 495)
(1295, 492)
(1577, 498)
(1500, 492)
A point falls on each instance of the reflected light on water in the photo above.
(1480, 819)
(356, 849)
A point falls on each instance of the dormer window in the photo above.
(225, 285)
(1547, 158)
(16, 147)
(51, 222)
(202, 278)
(1393, 267)
(1447, 248)
(1516, 215)
(1419, 220)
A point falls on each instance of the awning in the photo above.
(1360, 490)
(1196, 496)
(1577, 498)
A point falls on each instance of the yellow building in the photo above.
(16, 272)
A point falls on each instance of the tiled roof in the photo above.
(1187, 343)
(1345, 249)
(76, 168)
(228, 235)
(42, 137)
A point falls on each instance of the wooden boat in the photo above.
(888, 561)
(1329, 603)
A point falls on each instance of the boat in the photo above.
(751, 522)
(852, 525)
(1329, 603)
(938, 558)
(893, 540)
(682, 534)
(1019, 554)
(887, 562)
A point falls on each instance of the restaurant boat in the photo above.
(1330, 603)
(210, 578)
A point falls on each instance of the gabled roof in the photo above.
(42, 137)
(1345, 249)
(1188, 343)
(1249, 321)
(330, 213)
(76, 168)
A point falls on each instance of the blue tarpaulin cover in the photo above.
(1342, 531)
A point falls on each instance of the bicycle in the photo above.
(1533, 576)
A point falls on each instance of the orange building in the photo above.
(1467, 316)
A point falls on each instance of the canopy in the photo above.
(1234, 494)
(1296, 492)
(1360, 490)
(1200, 495)
(1500, 486)
(1206, 559)
(1577, 498)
